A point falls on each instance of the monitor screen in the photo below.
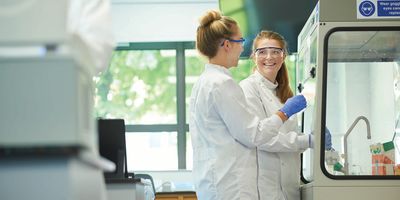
(112, 145)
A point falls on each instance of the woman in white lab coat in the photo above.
(223, 129)
(266, 90)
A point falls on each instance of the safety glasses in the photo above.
(241, 40)
(274, 52)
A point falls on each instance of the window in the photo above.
(149, 86)
(139, 87)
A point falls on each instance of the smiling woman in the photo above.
(222, 122)
(267, 90)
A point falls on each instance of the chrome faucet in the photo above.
(346, 162)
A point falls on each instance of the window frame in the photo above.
(181, 127)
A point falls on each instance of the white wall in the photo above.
(158, 21)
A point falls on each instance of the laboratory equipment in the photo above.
(48, 57)
(119, 183)
(333, 162)
(300, 86)
(48, 144)
(356, 58)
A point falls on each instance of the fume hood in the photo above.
(354, 92)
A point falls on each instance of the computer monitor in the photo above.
(112, 145)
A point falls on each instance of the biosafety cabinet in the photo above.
(348, 68)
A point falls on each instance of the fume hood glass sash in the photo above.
(362, 103)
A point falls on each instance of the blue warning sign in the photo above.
(374, 9)
(388, 8)
(366, 8)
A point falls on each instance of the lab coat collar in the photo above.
(266, 82)
(219, 68)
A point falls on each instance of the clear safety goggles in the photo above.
(274, 52)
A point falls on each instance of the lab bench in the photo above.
(128, 188)
(177, 195)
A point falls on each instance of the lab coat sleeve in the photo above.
(90, 33)
(281, 142)
(241, 122)
(286, 142)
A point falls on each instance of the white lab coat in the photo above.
(278, 160)
(224, 134)
(90, 36)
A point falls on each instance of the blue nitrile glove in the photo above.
(328, 140)
(294, 105)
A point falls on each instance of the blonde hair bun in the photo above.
(209, 17)
(213, 28)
